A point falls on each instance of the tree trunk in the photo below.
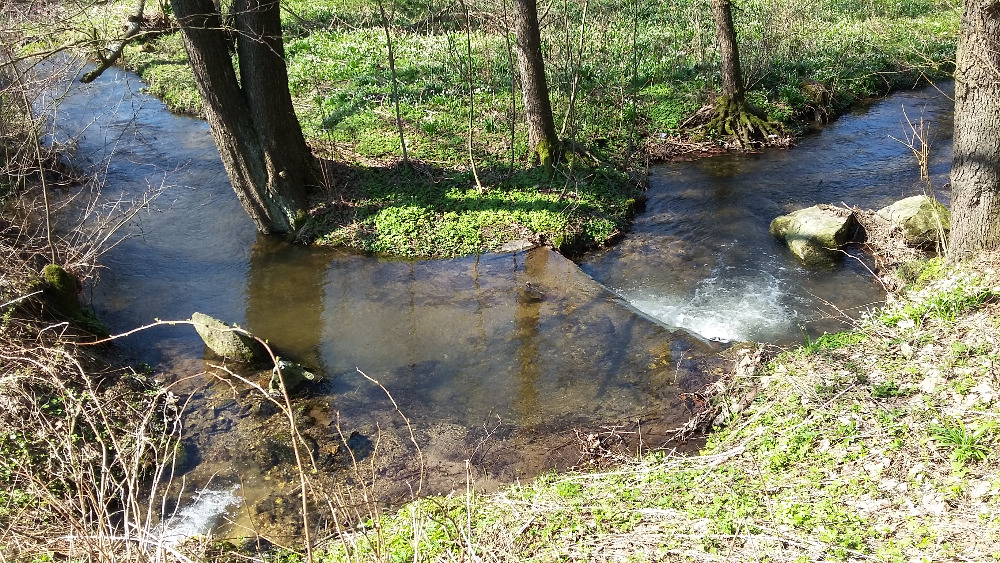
(732, 76)
(252, 119)
(975, 167)
(734, 117)
(542, 138)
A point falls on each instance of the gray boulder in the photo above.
(919, 217)
(815, 234)
(293, 374)
(226, 342)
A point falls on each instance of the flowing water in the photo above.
(701, 259)
(483, 369)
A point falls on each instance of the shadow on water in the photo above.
(526, 339)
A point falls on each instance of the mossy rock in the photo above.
(62, 289)
(815, 234)
(293, 375)
(920, 218)
(225, 341)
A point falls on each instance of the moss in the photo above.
(62, 288)
(60, 280)
(741, 122)
(547, 152)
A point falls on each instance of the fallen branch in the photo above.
(116, 49)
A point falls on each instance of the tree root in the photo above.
(742, 122)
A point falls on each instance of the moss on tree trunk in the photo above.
(742, 122)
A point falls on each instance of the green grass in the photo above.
(966, 444)
(408, 214)
(646, 68)
(944, 302)
(833, 341)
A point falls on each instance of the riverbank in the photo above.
(82, 436)
(873, 444)
(627, 87)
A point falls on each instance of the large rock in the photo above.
(815, 234)
(919, 217)
(63, 290)
(226, 342)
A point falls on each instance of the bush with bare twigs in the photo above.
(79, 438)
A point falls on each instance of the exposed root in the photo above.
(742, 123)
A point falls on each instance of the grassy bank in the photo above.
(627, 82)
(875, 444)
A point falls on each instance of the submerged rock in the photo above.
(815, 234)
(293, 374)
(919, 217)
(225, 341)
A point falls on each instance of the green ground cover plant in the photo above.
(628, 82)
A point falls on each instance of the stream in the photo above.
(700, 258)
(482, 370)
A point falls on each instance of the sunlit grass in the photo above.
(641, 70)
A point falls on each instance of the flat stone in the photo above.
(815, 234)
(224, 341)
(518, 245)
(919, 217)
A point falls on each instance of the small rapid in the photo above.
(726, 307)
(701, 259)
(204, 512)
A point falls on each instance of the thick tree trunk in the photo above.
(732, 75)
(542, 137)
(255, 128)
(975, 167)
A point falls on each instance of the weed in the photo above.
(887, 390)
(944, 303)
(966, 444)
(834, 341)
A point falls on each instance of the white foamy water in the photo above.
(722, 309)
(200, 516)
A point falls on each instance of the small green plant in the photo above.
(832, 341)
(887, 390)
(966, 444)
(567, 489)
(946, 304)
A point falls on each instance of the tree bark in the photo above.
(542, 138)
(734, 117)
(732, 75)
(975, 168)
(252, 119)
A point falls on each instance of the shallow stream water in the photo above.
(482, 369)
